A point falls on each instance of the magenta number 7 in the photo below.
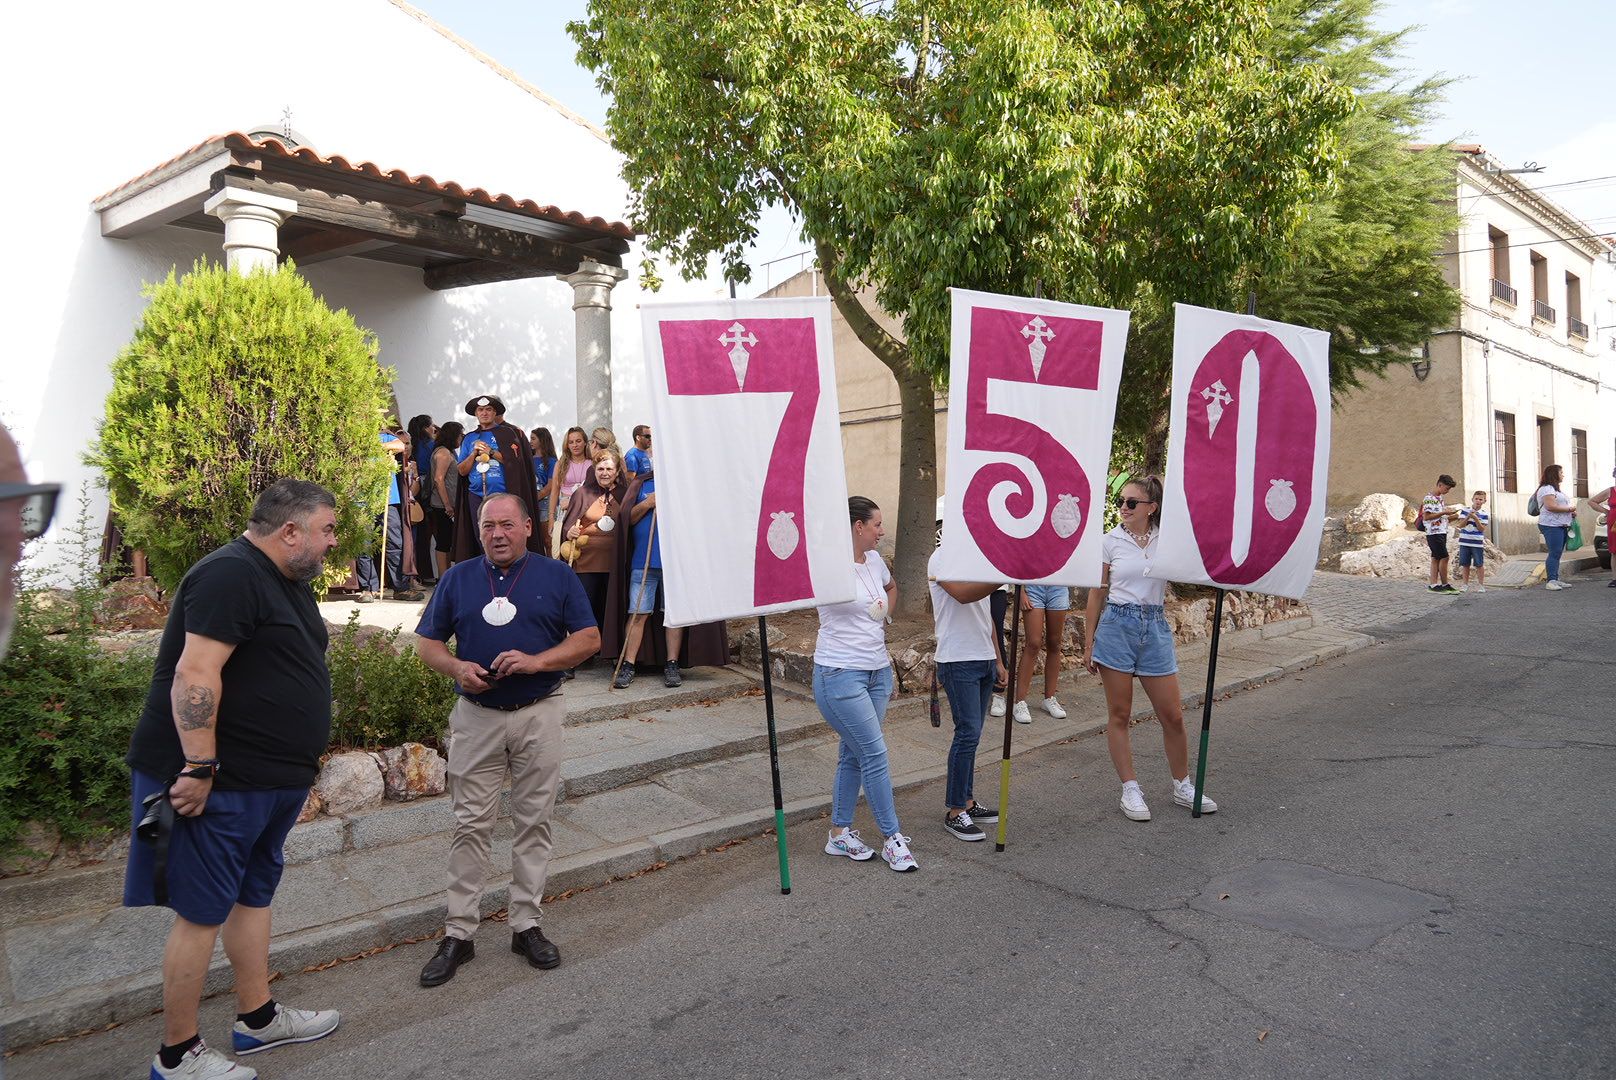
(710, 357)
(1060, 356)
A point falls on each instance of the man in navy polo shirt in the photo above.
(518, 620)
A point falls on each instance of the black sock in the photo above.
(259, 1016)
(171, 1056)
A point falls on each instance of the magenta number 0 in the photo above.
(1062, 356)
(1250, 441)
(706, 357)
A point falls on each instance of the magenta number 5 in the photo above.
(1250, 440)
(709, 357)
(1037, 364)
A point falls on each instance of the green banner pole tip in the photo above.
(774, 753)
(780, 843)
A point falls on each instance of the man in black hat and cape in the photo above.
(506, 452)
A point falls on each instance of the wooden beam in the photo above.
(457, 275)
(328, 244)
(456, 237)
(169, 195)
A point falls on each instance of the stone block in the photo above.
(411, 771)
(391, 824)
(1377, 513)
(314, 840)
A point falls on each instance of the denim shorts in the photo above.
(643, 585)
(1135, 638)
(1472, 555)
(1049, 597)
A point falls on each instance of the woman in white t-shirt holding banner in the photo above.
(1556, 510)
(852, 684)
(1130, 639)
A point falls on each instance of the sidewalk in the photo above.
(641, 790)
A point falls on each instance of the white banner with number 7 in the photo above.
(1248, 453)
(1031, 402)
(751, 493)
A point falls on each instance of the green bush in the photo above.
(67, 708)
(230, 384)
(380, 696)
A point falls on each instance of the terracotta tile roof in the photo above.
(265, 144)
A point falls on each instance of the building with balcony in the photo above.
(1526, 377)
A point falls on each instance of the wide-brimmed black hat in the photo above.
(485, 399)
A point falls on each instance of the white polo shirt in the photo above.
(1130, 564)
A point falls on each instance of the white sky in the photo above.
(1535, 84)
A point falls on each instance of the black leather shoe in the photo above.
(539, 950)
(452, 952)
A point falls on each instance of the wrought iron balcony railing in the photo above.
(1502, 291)
(1577, 328)
(1540, 310)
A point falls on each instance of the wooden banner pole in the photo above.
(774, 756)
(1009, 717)
(1212, 660)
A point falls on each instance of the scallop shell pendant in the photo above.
(498, 611)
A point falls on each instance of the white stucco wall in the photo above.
(102, 92)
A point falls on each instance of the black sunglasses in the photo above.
(1132, 504)
(37, 509)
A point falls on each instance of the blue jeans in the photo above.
(969, 686)
(854, 703)
(1555, 537)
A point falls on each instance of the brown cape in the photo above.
(519, 481)
(704, 645)
(611, 634)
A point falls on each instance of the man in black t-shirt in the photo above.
(237, 717)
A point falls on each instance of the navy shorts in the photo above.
(1470, 555)
(230, 854)
(1135, 638)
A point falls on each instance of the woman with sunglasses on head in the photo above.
(852, 684)
(1130, 639)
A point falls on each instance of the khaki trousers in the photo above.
(484, 744)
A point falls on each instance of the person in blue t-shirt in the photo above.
(370, 587)
(645, 582)
(638, 460)
(544, 463)
(518, 621)
(1473, 541)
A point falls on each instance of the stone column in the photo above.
(252, 222)
(592, 286)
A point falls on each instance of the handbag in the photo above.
(1574, 537)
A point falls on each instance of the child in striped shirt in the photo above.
(1472, 541)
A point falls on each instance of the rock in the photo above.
(1378, 513)
(1400, 557)
(131, 604)
(311, 808)
(350, 782)
(37, 845)
(130, 641)
(411, 771)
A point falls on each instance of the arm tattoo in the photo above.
(197, 704)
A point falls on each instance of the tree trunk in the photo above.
(915, 523)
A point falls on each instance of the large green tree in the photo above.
(230, 384)
(1109, 152)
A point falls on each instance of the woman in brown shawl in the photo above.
(592, 528)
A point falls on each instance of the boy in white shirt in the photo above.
(1473, 541)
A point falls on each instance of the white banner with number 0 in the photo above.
(1248, 453)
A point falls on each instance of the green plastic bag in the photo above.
(1574, 537)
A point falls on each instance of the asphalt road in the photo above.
(1411, 876)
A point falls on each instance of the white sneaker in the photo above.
(202, 1062)
(1481, 588)
(1023, 716)
(289, 1026)
(847, 843)
(997, 708)
(1134, 807)
(1184, 795)
(896, 853)
(1466, 589)
(1554, 586)
(1053, 708)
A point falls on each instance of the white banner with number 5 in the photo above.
(751, 494)
(1248, 453)
(1031, 402)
